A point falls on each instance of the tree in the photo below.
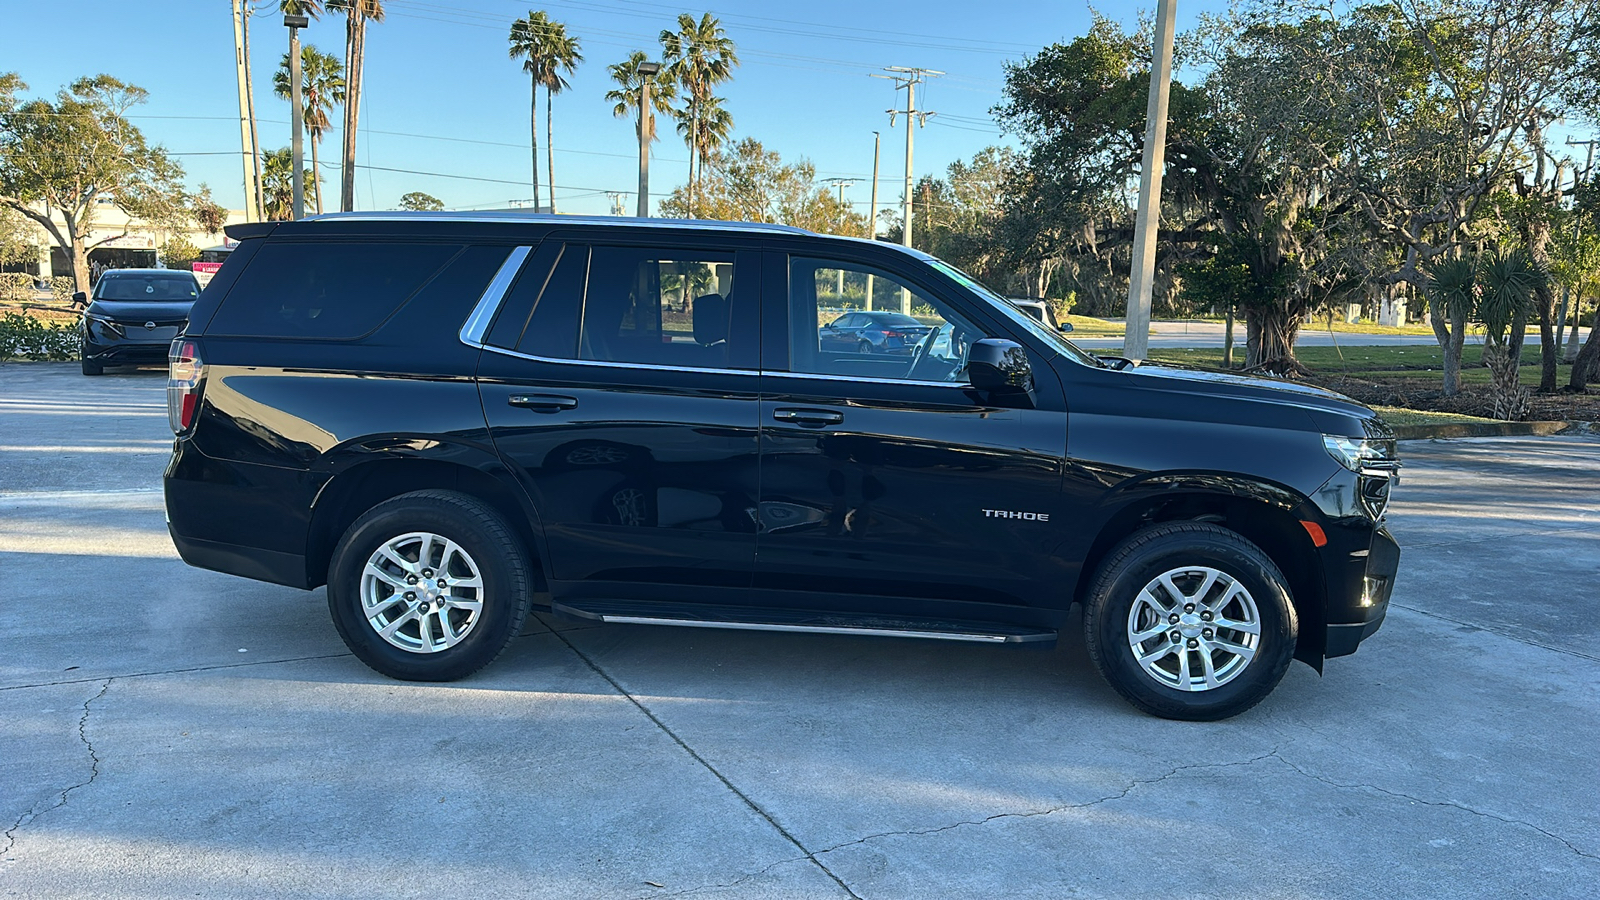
(321, 87)
(71, 155)
(178, 252)
(1433, 106)
(716, 126)
(547, 51)
(417, 201)
(700, 56)
(208, 214)
(749, 183)
(625, 97)
(277, 184)
(17, 245)
(356, 12)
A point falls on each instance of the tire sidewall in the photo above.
(1114, 597)
(496, 566)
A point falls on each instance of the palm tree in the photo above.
(356, 12)
(321, 86)
(663, 90)
(277, 185)
(702, 56)
(716, 126)
(547, 51)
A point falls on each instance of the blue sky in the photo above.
(442, 97)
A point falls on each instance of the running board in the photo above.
(624, 612)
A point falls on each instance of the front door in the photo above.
(620, 383)
(888, 483)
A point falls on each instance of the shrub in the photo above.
(61, 288)
(16, 287)
(25, 337)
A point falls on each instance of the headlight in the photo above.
(105, 324)
(1356, 454)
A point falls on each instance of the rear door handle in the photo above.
(543, 402)
(812, 417)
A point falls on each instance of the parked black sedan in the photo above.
(134, 315)
(876, 331)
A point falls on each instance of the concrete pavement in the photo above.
(170, 732)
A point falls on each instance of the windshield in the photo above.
(147, 287)
(1033, 326)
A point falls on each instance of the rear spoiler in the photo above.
(245, 230)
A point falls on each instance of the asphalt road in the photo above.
(170, 732)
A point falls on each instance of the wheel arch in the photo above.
(364, 479)
(1268, 515)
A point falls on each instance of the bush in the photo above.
(16, 287)
(179, 253)
(24, 337)
(61, 288)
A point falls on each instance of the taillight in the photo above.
(893, 334)
(185, 374)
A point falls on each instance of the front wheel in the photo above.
(91, 367)
(1188, 620)
(429, 586)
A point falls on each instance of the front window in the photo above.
(889, 330)
(1038, 329)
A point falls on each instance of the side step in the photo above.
(812, 621)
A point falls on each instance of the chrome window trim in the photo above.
(472, 331)
(653, 367)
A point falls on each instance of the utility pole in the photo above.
(297, 117)
(872, 214)
(647, 73)
(617, 208)
(1588, 163)
(252, 212)
(908, 78)
(1141, 283)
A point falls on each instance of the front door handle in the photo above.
(811, 417)
(543, 402)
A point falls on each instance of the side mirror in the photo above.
(999, 366)
(1064, 327)
(80, 298)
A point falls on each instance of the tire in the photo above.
(93, 368)
(1128, 592)
(865, 348)
(458, 639)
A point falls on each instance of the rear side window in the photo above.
(327, 290)
(658, 307)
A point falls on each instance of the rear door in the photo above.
(620, 382)
(888, 483)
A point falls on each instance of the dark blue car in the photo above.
(872, 332)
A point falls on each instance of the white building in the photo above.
(123, 242)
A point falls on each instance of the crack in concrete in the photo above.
(61, 800)
(1028, 814)
(157, 674)
(1274, 754)
(1449, 804)
(728, 884)
(706, 764)
(1497, 633)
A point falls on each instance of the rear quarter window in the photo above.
(327, 290)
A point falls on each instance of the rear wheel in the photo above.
(864, 347)
(1189, 620)
(429, 586)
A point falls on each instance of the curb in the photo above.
(1492, 429)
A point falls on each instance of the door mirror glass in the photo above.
(1064, 327)
(999, 366)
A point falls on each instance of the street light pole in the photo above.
(647, 73)
(1141, 283)
(296, 117)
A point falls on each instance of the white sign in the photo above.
(131, 242)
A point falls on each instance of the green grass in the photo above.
(1399, 415)
(1090, 325)
(1423, 361)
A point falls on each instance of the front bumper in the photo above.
(1357, 610)
(126, 351)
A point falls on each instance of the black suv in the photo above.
(449, 419)
(133, 316)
